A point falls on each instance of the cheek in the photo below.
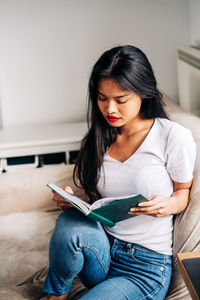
(132, 109)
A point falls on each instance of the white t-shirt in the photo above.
(167, 153)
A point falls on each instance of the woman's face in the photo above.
(119, 107)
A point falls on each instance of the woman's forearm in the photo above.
(179, 201)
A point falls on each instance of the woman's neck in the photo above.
(135, 127)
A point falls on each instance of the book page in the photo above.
(105, 201)
(83, 205)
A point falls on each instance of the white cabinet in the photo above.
(28, 144)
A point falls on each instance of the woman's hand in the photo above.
(157, 206)
(160, 206)
(60, 202)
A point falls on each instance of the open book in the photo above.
(107, 211)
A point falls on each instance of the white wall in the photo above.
(47, 49)
(194, 22)
(1, 123)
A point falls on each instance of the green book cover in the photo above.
(107, 211)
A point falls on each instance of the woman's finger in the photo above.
(68, 189)
(60, 202)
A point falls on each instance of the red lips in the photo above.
(112, 118)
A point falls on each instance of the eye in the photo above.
(121, 101)
(101, 99)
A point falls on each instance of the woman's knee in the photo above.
(74, 227)
(73, 221)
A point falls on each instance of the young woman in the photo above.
(131, 147)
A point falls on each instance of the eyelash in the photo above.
(118, 101)
(102, 99)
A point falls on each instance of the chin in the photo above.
(115, 125)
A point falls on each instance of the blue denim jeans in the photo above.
(108, 267)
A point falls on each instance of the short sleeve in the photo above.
(181, 154)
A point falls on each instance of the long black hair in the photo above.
(129, 67)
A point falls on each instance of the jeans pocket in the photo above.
(144, 258)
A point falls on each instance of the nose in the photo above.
(111, 106)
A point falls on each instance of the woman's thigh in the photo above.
(135, 273)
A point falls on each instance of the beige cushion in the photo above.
(27, 221)
(187, 120)
(26, 190)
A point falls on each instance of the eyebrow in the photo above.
(118, 97)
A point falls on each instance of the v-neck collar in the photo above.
(138, 149)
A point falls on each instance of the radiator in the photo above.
(189, 79)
